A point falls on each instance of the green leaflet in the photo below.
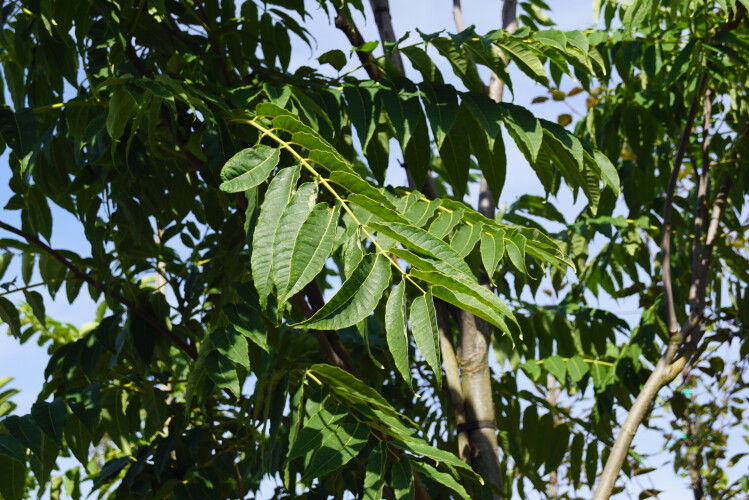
(441, 478)
(423, 319)
(421, 211)
(395, 330)
(472, 297)
(402, 479)
(403, 111)
(42, 464)
(492, 249)
(466, 238)
(608, 171)
(379, 210)
(12, 478)
(231, 344)
(515, 245)
(222, 372)
(463, 67)
(420, 447)
(248, 322)
(327, 441)
(356, 185)
(362, 106)
(276, 198)
(417, 239)
(10, 447)
(121, 107)
(25, 430)
(374, 478)
(445, 222)
(418, 152)
(51, 417)
(525, 129)
(441, 106)
(9, 316)
(249, 168)
(357, 297)
(313, 246)
(528, 61)
(488, 149)
(349, 387)
(557, 367)
(289, 227)
(577, 368)
(455, 153)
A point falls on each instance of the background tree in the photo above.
(176, 135)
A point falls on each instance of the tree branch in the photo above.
(672, 321)
(346, 24)
(384, 22)
(130, 305)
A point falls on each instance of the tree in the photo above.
(304, 312)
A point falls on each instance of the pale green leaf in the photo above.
(356, 185)
(357, 297)
(466, 238)
(525, 129)
(527, 61)
(249, 168)
(421, 211)
(285, 240)
(395, 329)
(492, 250)
(379, 210)
(351, 388)
(423, 320)
(557, 367)
(276, 198)
(608, 171)
(515, 246)
(313, 246)
(445, 222)
(577, 368)
(419, 240)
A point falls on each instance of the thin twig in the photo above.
(129, 304)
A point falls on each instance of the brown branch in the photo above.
(672, 321)
(345, 24)
(130, 305)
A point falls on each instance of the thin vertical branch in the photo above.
(344, 23)
(384, 21)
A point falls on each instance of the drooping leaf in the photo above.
(402, 479)
(577, 368)
(313, 246)
(276, 198)
(445, 222)
(121, 107)
(249, 168)
(441, 478)
(362, 106)
(231, 344)
(357, 297)
(51, 417)
(441, 106)
(515, 246)
(9, 316)
(247, 321)
(492, 250)
(423, 320)
(222, 372)
(525, 129)
(12, 478)
(396, 332)
(374, 478)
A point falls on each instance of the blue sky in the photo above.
(26, 363)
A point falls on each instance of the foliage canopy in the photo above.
(181, 138)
